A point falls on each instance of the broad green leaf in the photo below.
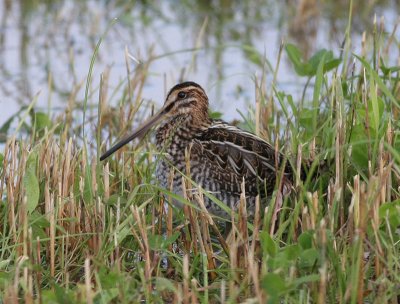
(296, 57)
(359, 146)
(215, 115)
(38, 222)
(253, 55)
(332, 64)
(319, 57)
(273, 284)
(267, 243)
(291, 252)
(108, 278)
(391, 212)
(305, 240)
(4, 129)
(62, 295)
(310, 67)
(164, 284)
(107, 295)
(31, 186)
(32, 161)
(42, 121)
(308, 258)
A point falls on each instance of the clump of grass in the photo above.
(77, 230)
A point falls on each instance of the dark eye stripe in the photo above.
(169, 107)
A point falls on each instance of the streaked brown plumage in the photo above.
(221, 155)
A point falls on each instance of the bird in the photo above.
(221, 155)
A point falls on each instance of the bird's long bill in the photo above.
(139, 132)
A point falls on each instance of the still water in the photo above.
(49, 44)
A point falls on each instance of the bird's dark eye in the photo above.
(182, 95)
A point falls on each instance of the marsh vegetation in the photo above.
(77, 230)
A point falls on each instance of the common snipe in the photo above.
(221, 155)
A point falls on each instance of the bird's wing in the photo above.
(234, 154)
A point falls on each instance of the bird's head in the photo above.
(186, 100)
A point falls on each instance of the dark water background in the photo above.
(42, 39)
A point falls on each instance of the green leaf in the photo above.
(215, 115)
(61, 295)
(305, 240)
(108, 278)
(325, 58)
(253, 55)
(273, 284)
(106, 296)
(5, 278)
(290, 252)
(267, 244)
(308, 258)
(391, 212)
(373, 74)
(322, 59)
(296, 57)
(374, 110)
(317, 89)
(4, 129)
(332, 64)
(38, 222)
(113, 200)
(31, 186)
(293, 106)
(306, 279)
(164, 284)
(359, 140)
(305, 119)
(281, 96)
(319, 58)
(42, 121)
(159, 242)
(285, 258)
(87, 187)
(32, 161)
(4, 264)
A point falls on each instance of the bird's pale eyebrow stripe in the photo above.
(188, 103)
(185, 85)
